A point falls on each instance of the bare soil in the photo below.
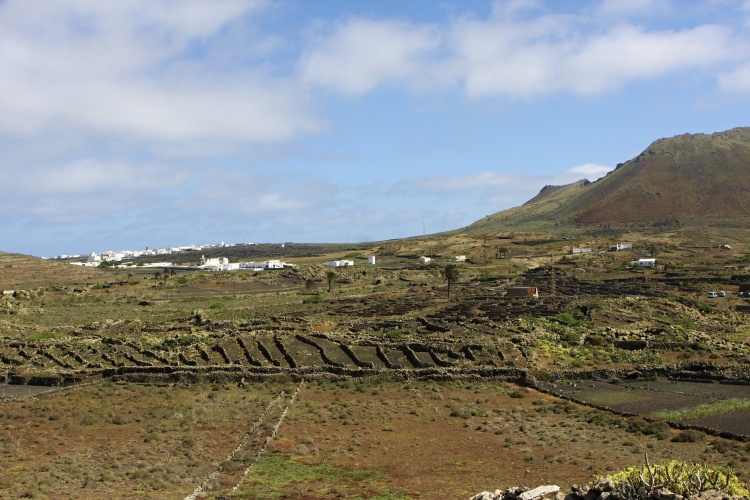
(369, 439)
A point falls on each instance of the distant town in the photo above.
(123, 259)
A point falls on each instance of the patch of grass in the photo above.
(720, 407)
(218, 305)
(313, 299)
(38, 337)
(394, 334)
(278, 477)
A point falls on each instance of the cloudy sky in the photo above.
(134, 123)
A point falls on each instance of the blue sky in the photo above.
(145, 123)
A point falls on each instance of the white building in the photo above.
(644, 262)
(273, 264)
(424, 260)
(340, 263)
(214, 261)
(371, 259)
(581, 250)
(620, 246)
(255, 266)
(459, 258)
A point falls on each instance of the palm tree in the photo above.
(330, 276)
(450, 274)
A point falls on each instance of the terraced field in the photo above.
(292, 390)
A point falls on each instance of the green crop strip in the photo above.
(720, 407)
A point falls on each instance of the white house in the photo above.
(273, 264)
(620, 246)
(424, 260)
(644, 262)
(371, 259)
(340, 263)
(213, 262)
(581, 250)
(459, 258)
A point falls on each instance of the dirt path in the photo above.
(229, 476)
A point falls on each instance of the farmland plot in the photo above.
(371, 438)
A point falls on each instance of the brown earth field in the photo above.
(348, 439)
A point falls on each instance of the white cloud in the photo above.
(481, 180)
(622, 8)
(134, 68)
(630, 53)
(520, 50)
(737, 80)
(554, 53)
(84, 190)
(590, 171)
(360, 54)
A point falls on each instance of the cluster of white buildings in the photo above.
(94, 259)
(223, 264)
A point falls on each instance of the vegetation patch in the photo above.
(720, 407)
(678, 477)
(275, 476)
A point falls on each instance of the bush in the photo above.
(568, 319)
(678, 477)
(571, 337)
(690, 436)
(658, 429)
(314, 299)
(394, 334)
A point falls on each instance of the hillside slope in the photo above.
(23, 272)
(695, 179)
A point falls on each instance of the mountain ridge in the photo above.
(689, 179)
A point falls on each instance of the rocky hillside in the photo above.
(691, 179)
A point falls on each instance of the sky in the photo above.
(129, 124)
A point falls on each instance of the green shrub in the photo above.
(678, 477)
(394, 334)
(658, 429)
(705, 309)
(690, 436)
(37, 337)
(218, 305)
(313, 299)
(571, 337)
(576, 318)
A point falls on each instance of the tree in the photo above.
(309, 284)
(330, 276)
(450, 274)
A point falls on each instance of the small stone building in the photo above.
(522, 291)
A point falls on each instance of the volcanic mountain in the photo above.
(690, 179)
